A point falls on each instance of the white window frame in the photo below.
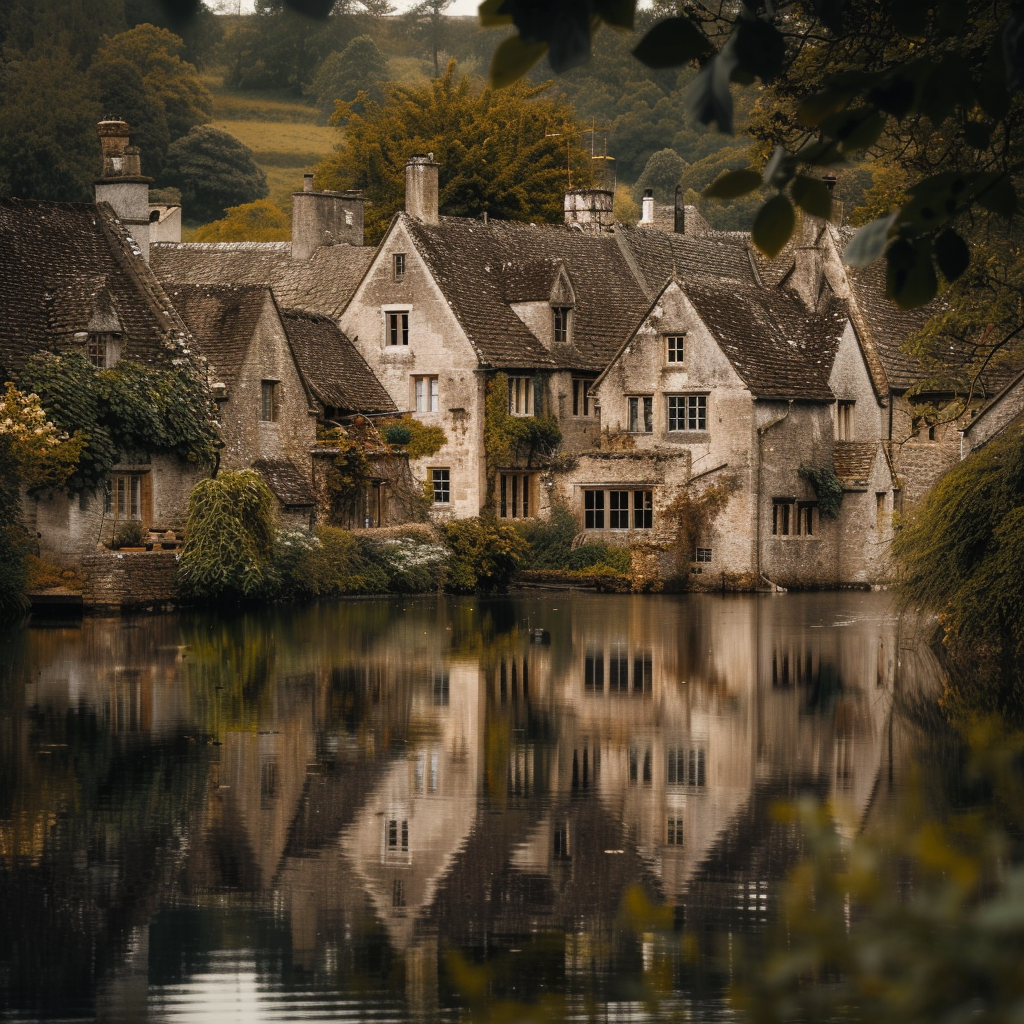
(426, 392)
(441, 485)
(122, 497)
(675, 348)
(399, 265)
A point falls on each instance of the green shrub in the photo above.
(131, 534)
(331, 563)
(229, 539)
(414, 564)
(550, 546)
(397, 434)
(483, 555)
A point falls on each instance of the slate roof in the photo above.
(222, 321)
(322, 284)
(284, 478)
(468, 260)
(779, 349)
(529, 280)
(331, 366)
(63, 265)
(853, 460)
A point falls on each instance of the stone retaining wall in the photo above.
(135, 579)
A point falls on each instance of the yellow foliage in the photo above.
(260, 221)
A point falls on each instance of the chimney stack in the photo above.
(421, 188)
(680, 212)
(121, 182)
(647, 208)
(324, 218)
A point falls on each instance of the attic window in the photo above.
(399, 265)
(560, 321)
(102, 349)
(674, 347)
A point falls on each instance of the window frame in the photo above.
(703, 555)
(561, 324)
(675, 348)
(123, 494)
(441, 483)
(515, 492)
(637, 424)
(397, 321)
(845, 421)
(795, 518)
(581, 395)
(603, 508)
(431, 392)
(270, 401)
(520, 387)
(399, 266)
(102, 349)
(694, 409)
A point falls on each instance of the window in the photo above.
(687, 412)
(440, 692)
(514, 495)
(123, 499)
(399, 265)
(269, 401)
(675, 832)
(425, 394)
(643, 672)
(620, 505)
(582, 401)
(398, 328)
(844, 421)
(440, 481)
(618, 669)
(102, 350)
(396, 839)
(806, 513)
(674, 348)
(398, 893)
(685, 767)
(794, 518)
(593, 670)
(641, 414)
(702, 555)
(520, 396)
(643, 510)
(782, 516)
(640, 766)
(560, 321)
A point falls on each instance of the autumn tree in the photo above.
(500, 151)
(260, 221)
(214, 171)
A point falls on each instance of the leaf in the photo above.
(910, 279)
(951, 254)
(948, 85)
(780, 168)
(773, 226)
(909, 16)
(830, 13)
(760, 48)
(512, 59)
(708, 98)
(672, 42)
(863, 133)
(491, 15)
(618, 13)
(1013, 51)
(869, 242)
(812, 195)
(732, 184)
(977, 134)
(1000, 197)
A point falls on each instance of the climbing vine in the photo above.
(827, 487)
(417, 439)
(129, 408)
(694, 513)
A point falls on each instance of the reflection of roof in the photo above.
(290, 487)
(853, 460)
(331, 366)
(223, 321)
(64, 264)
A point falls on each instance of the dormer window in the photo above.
(560, 321)
(102, 349)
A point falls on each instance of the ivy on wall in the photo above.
(694, 513)
(827, 487)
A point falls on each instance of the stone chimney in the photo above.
(808, 256)
(647, 208)
(324, 218)
(421, 188)
(121, 182)
(589, 208)
(680, 212)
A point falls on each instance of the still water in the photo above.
(411, 809)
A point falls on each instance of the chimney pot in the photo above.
(307, 183)
(421, 188)
(647, 207)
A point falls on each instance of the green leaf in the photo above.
(1000, 197)
(977, 134)
(732, 184)
(708, 98)
(869, 242)
(863, 133)
(780, 168)
(773, 226)
(812, 195)
(489, 14)
(760, 48)
(951, 254)
(910, 279)
(512, 59)
(672, 42)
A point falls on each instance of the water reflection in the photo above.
(305, 813)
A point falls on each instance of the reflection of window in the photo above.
(398, 893)
(398, 328)
(675, 832)
(514, 495)
(269, 401)
(687, 412)
(397, 838)
(686, 767)
(674, 348)
(439, 691)
(426, 394)
(560, 844)
(440, 481)
(618, 669)
(268, 780)
(581, 398)
(643, 673)
(123, 499)
(593, 671)
(520, 396)
(560, 322)
(641, 414)
(640, 766)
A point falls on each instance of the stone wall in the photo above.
(118, 580)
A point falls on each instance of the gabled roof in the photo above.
(322, 284)
(290, 487)
(467, 260)
(331, 366)
(67, 266)
(222, 321)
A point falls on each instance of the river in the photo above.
(416, 808)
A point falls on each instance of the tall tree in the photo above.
(426, 21)
(341, 76)
(500, 151)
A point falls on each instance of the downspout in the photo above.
(761, 431)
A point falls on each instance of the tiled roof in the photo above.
(322, 284)
(853, 460)
(331, 365)
(222, 321)
(66, 265)
(529, 280)
(467, 260)
(284, 478)
(777, 347)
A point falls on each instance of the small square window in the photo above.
(702, 555)
(101, 349)
(269, 400)
(441, 484)
(399, 265)
(674, 348)
(398, 328)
